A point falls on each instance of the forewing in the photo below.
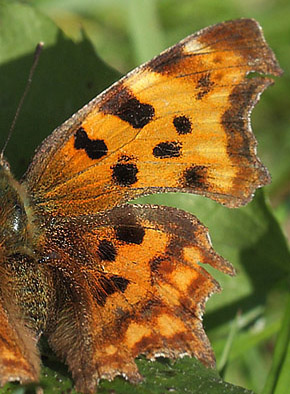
(178, 123)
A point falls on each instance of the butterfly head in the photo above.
(13, 217)
(4, 165)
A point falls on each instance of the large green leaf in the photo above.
(162, 376)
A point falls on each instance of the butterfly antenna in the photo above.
(37, 53)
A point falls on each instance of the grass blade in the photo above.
(277, 378)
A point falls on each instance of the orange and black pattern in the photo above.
(106, 281)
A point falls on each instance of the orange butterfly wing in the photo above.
(128, 280)
(25, 287)
(178, 123)
(19, 357)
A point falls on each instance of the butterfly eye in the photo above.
(17, 218)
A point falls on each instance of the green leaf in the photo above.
(185, 375)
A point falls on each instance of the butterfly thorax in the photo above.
(21, 274)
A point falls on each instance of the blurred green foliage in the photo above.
(244, 321)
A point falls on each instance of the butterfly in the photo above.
(104, 280)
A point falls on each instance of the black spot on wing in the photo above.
(130, 233)
(106, 250)
(136, 113)
(95, 149)
(167, 150)
(120, 282)
(108, 285)
(124, 174)
(195, 177)
(204, 85)
(122, 103)
(182, 125)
